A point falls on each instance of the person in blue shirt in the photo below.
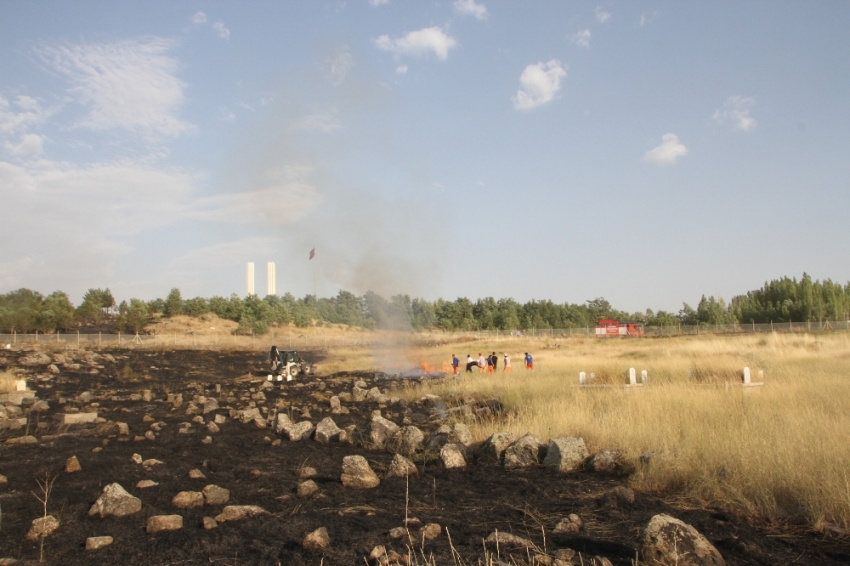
(529, 361)
(455, 364)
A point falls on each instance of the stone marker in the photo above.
(669, 541)
(317, 540)
(215, 495)
(42, 527)
(72, 465)
(116, 502)
(632, 376)
(582, 378)
(746, 375)
(565, 453)
(159, 523)
(357, 473)
(95, 543)
(644, 377)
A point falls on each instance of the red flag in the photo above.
(312, 253)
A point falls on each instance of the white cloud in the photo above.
(401, 69)
(129, 84)
(581, 38)
(30, 143)
(470, 8)
(736, 113)
(322, 123)
(602, 15)
(222, 31)
(646, 18)
(225, 254)
(285, 201)
(226, 114)
(539, 84)
(419, 43)
(30, 114)
(199, 18)
(377, 3)
(668, 152)
(339, 64)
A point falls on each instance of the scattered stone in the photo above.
(610, 462)
(197, 474)
(452, 456)
(123, 429)
(19, 440)
(72, 465)
(299, 431)
(212, 427)
(493, 449)
(42, 527)
(602, 561)
(150, 462)
(307, 488)
(523, 453)
(358, 394)
(401, 467)
(317, 540)
(95, 543)
(207, 440)
(4, 481)
(571, 525)
(198, 420)
(669, 541)
(149, 435)
(327, 431)
(188, 500)
(136, 458)
(215, 495)
(565, 453)
(381, 430)
(76, 418)
(143, 484)
(430, 532)
(357, 473)
(282, 422)
(508, 539)
(159, 523)
(209, 523)
(210, 405)
(410, 441)
(307, 472)
(565, 556)
(619, 496)
(239, 512)
(397, 533)
(115, 502)
(220, 419)
(460, 434)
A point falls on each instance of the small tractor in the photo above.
(287, 365)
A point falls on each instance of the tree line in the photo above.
(779, 300)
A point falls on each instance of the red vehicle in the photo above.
(608, 327)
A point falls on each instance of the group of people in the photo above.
(489, 363)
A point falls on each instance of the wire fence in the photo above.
(316, 341)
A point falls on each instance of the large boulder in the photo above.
(401, 467)
(356, 472)
(610, 462)
(42, 527)
(300, 431)
(381, 430)
(565, 453)
(452, 456)
(410, 440)
(282, 422)
(669, 541)
(215, 495)
(523, 453)
(460, 434)
(327, 431)
(493, 449)
(115, 502)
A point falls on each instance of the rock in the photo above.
(123, 429)
(600, 561)
(147, 395)
(53, 368)
(212, 427)
(317, 540)
(42, 527)
(188, 500)
(619, 496)
(18, 440)
(452, 456)
(149, 435)
(207, 440)
(115, 502)
(611, 462)
(357, 473)
(159, 523)
(95, 543)
(358, 394)
(669, 541)
(249, 415)
(144, 484)
(196, 474)
(571, 525)
(410, 440)
(220, 419)
(378, 552)
(375, 394)
(239, 512)
(215, 495)
(210, 405)
(508, 539)
(460, 435)
(151, 462)
(348, 434)
(335, 404)
(565, 556)
(209, 523)
(307, 488)
(39, 407)
(75, 418)
(401, 467)
(565, 453)
(282, 422)
(72, 465)
(136, 458)
(4, 481)
(381, 430)
(430, 532)
(397, 533)
(307, 472)
(523, 453)
(327, 431)
(493, 449)
(300, 431)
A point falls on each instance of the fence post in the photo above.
(771, 326)
(98, 339)
(36, 336)
(119, 337)
(78, 338)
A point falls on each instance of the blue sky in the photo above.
(646, 152)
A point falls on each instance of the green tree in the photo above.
(173, 303)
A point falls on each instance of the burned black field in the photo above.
(261, 467)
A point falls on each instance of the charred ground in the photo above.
(468, 504)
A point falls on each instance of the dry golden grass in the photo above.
(7, 382)
(780, 451)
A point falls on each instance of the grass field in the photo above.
(776, 452)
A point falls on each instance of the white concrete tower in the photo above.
(271, 279)
(249, 278)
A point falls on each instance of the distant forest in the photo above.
(780, 300)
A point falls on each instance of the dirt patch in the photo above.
(468, 504)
